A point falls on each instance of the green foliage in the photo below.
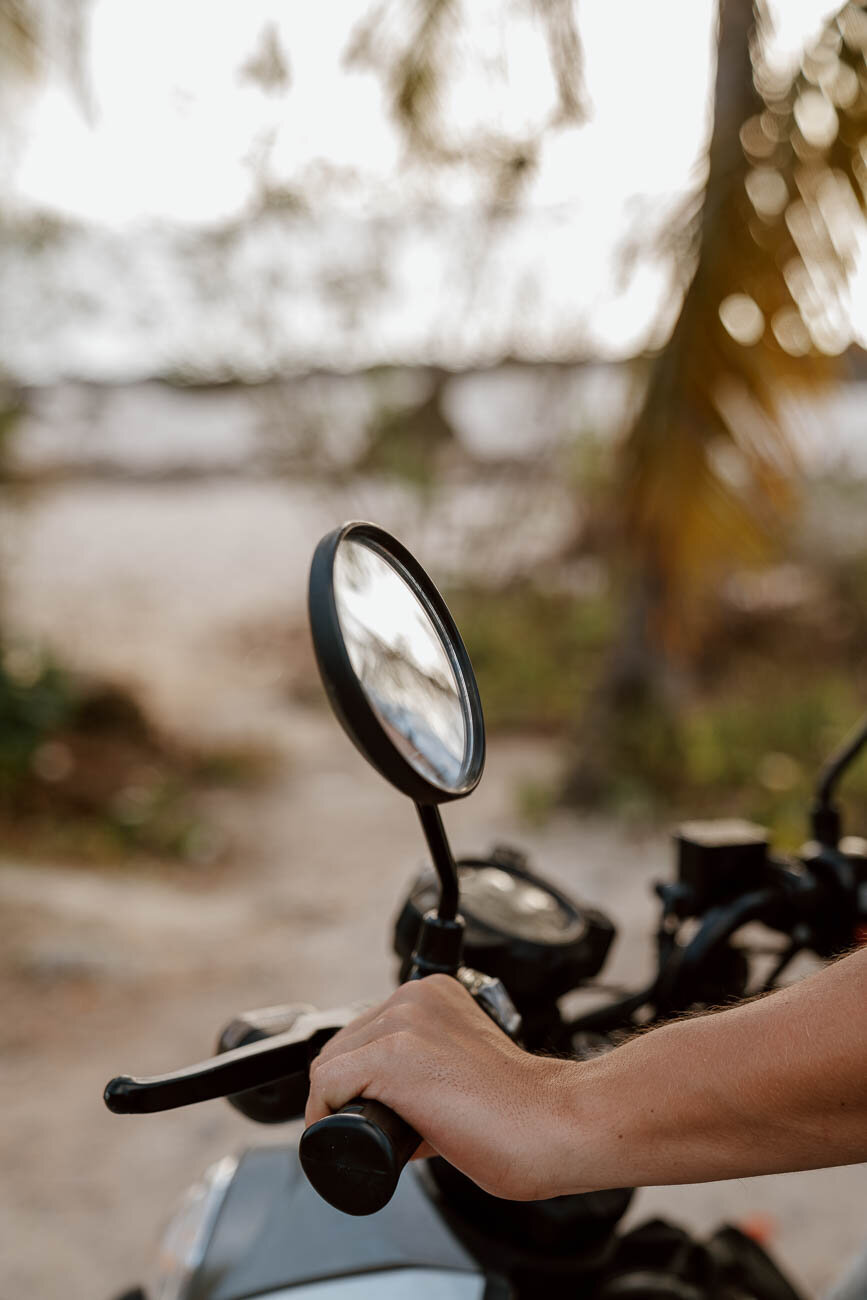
(536, 654)
(409, 442)
(84, 775)
(748, 741)
(399, 449)
(764, 740)
(36, 700)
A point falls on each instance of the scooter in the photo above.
(334, 1214)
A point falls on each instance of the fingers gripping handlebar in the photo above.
(354, 1158)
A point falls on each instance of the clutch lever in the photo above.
(254, 1065)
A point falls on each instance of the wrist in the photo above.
(588, 1144)
(566, 1093)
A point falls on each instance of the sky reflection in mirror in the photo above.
(399, 658)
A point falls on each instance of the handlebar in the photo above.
(355, 1157)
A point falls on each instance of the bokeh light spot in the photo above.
(790, 332)
(818, 62)
(852, 23)
(742, 318)
(830, 336)
(816, 118)
(772, 80)
(801, 226)
(779, 772)
(767, 191)
(797, 277)
(756, 140)
(840, 84)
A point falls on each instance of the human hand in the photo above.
(431, 1054)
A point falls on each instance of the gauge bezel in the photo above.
(531, 969)
(576, 931)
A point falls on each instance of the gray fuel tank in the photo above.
(274, 1234)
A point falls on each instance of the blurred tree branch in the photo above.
(37, 33)
(18, 36)
(268, 65)
(414, 46)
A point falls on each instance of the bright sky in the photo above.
(175, 125)
(174, 130)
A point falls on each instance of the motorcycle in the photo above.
(293, 1219)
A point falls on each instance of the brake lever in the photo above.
(254, 1065)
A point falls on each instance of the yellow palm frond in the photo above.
(709, 471)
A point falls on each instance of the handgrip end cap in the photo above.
(350, 1162)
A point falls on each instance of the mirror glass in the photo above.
(398, 655)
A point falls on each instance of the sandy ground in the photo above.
(111, 970)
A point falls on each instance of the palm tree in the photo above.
(708, 471)
(708, 474)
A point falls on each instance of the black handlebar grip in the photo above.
(354, 1157)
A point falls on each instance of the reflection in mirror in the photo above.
(398, 655)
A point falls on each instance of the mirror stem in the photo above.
(435, 834)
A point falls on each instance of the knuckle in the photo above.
(320, 1070)
(398, 1043)
(411, 992)
(402, 1017)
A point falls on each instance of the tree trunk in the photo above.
(640, 685)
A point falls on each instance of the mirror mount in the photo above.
(439, 947)
(441, 855)
(440, 940)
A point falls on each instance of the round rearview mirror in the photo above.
(394, 666)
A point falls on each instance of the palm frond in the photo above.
(710, 473)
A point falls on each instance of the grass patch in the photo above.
(84, 774)
(748, 739)
(410, 443)
(536, 654)
(754, 747)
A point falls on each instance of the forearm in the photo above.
(772, 1085)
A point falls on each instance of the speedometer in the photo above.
(513, 904)
(519, 928)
